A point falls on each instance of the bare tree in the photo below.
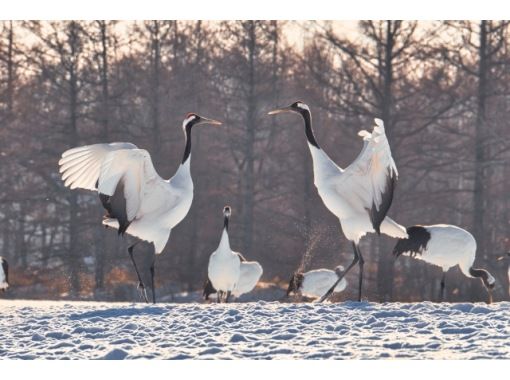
(58, 55)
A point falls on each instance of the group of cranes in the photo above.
(361, 195)
(142, 204)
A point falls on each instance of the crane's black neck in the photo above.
(487, 279)
(307, 117)
(187, 148)
(225, 223)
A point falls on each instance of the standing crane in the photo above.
(224, 264)
(445, 246)
(137, 200)
(359, 195)
(249, 275)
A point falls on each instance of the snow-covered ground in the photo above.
(262, 330)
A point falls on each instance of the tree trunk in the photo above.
(193, 252)
(101, 234)
(155, 92)
(479, 189)
(20, 241)
(10, 71)
(6, 240)
(249, 185)
(74, 253)
(386, 267)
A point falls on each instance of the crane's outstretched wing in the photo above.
(80, 166)
(129, 170)
(249, 276)
(369, 181)
(119, 172)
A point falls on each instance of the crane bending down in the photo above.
(445, 246)
(315, 283)
(137, 200)
(359, 195)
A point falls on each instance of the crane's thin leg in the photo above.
(361, 262)
(228, 296)
(392, 294)
(354, 261)
(218, 296)
(143, 291)
(152, 278)
(443, 279)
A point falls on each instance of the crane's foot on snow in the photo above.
(143, 292)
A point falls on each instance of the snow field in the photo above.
(257, 330)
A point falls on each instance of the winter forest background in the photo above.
(442, 88)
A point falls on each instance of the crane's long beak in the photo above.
(204, 120)
(490, 296)
(280, 110)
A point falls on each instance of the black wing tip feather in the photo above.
(377, 216)
(115, 207)
(208, 289)
(415, 244)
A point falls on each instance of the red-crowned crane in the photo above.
(445, 246)
(315, 283)
(137, 200)
(249, 275)
(359, 195)
(224, 264)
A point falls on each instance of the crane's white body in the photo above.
(447, 247)
(224, 266)
(249, 276)
(350, 193)
(3, 276)
(317, 282)
(159, 217)
(153, 205)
